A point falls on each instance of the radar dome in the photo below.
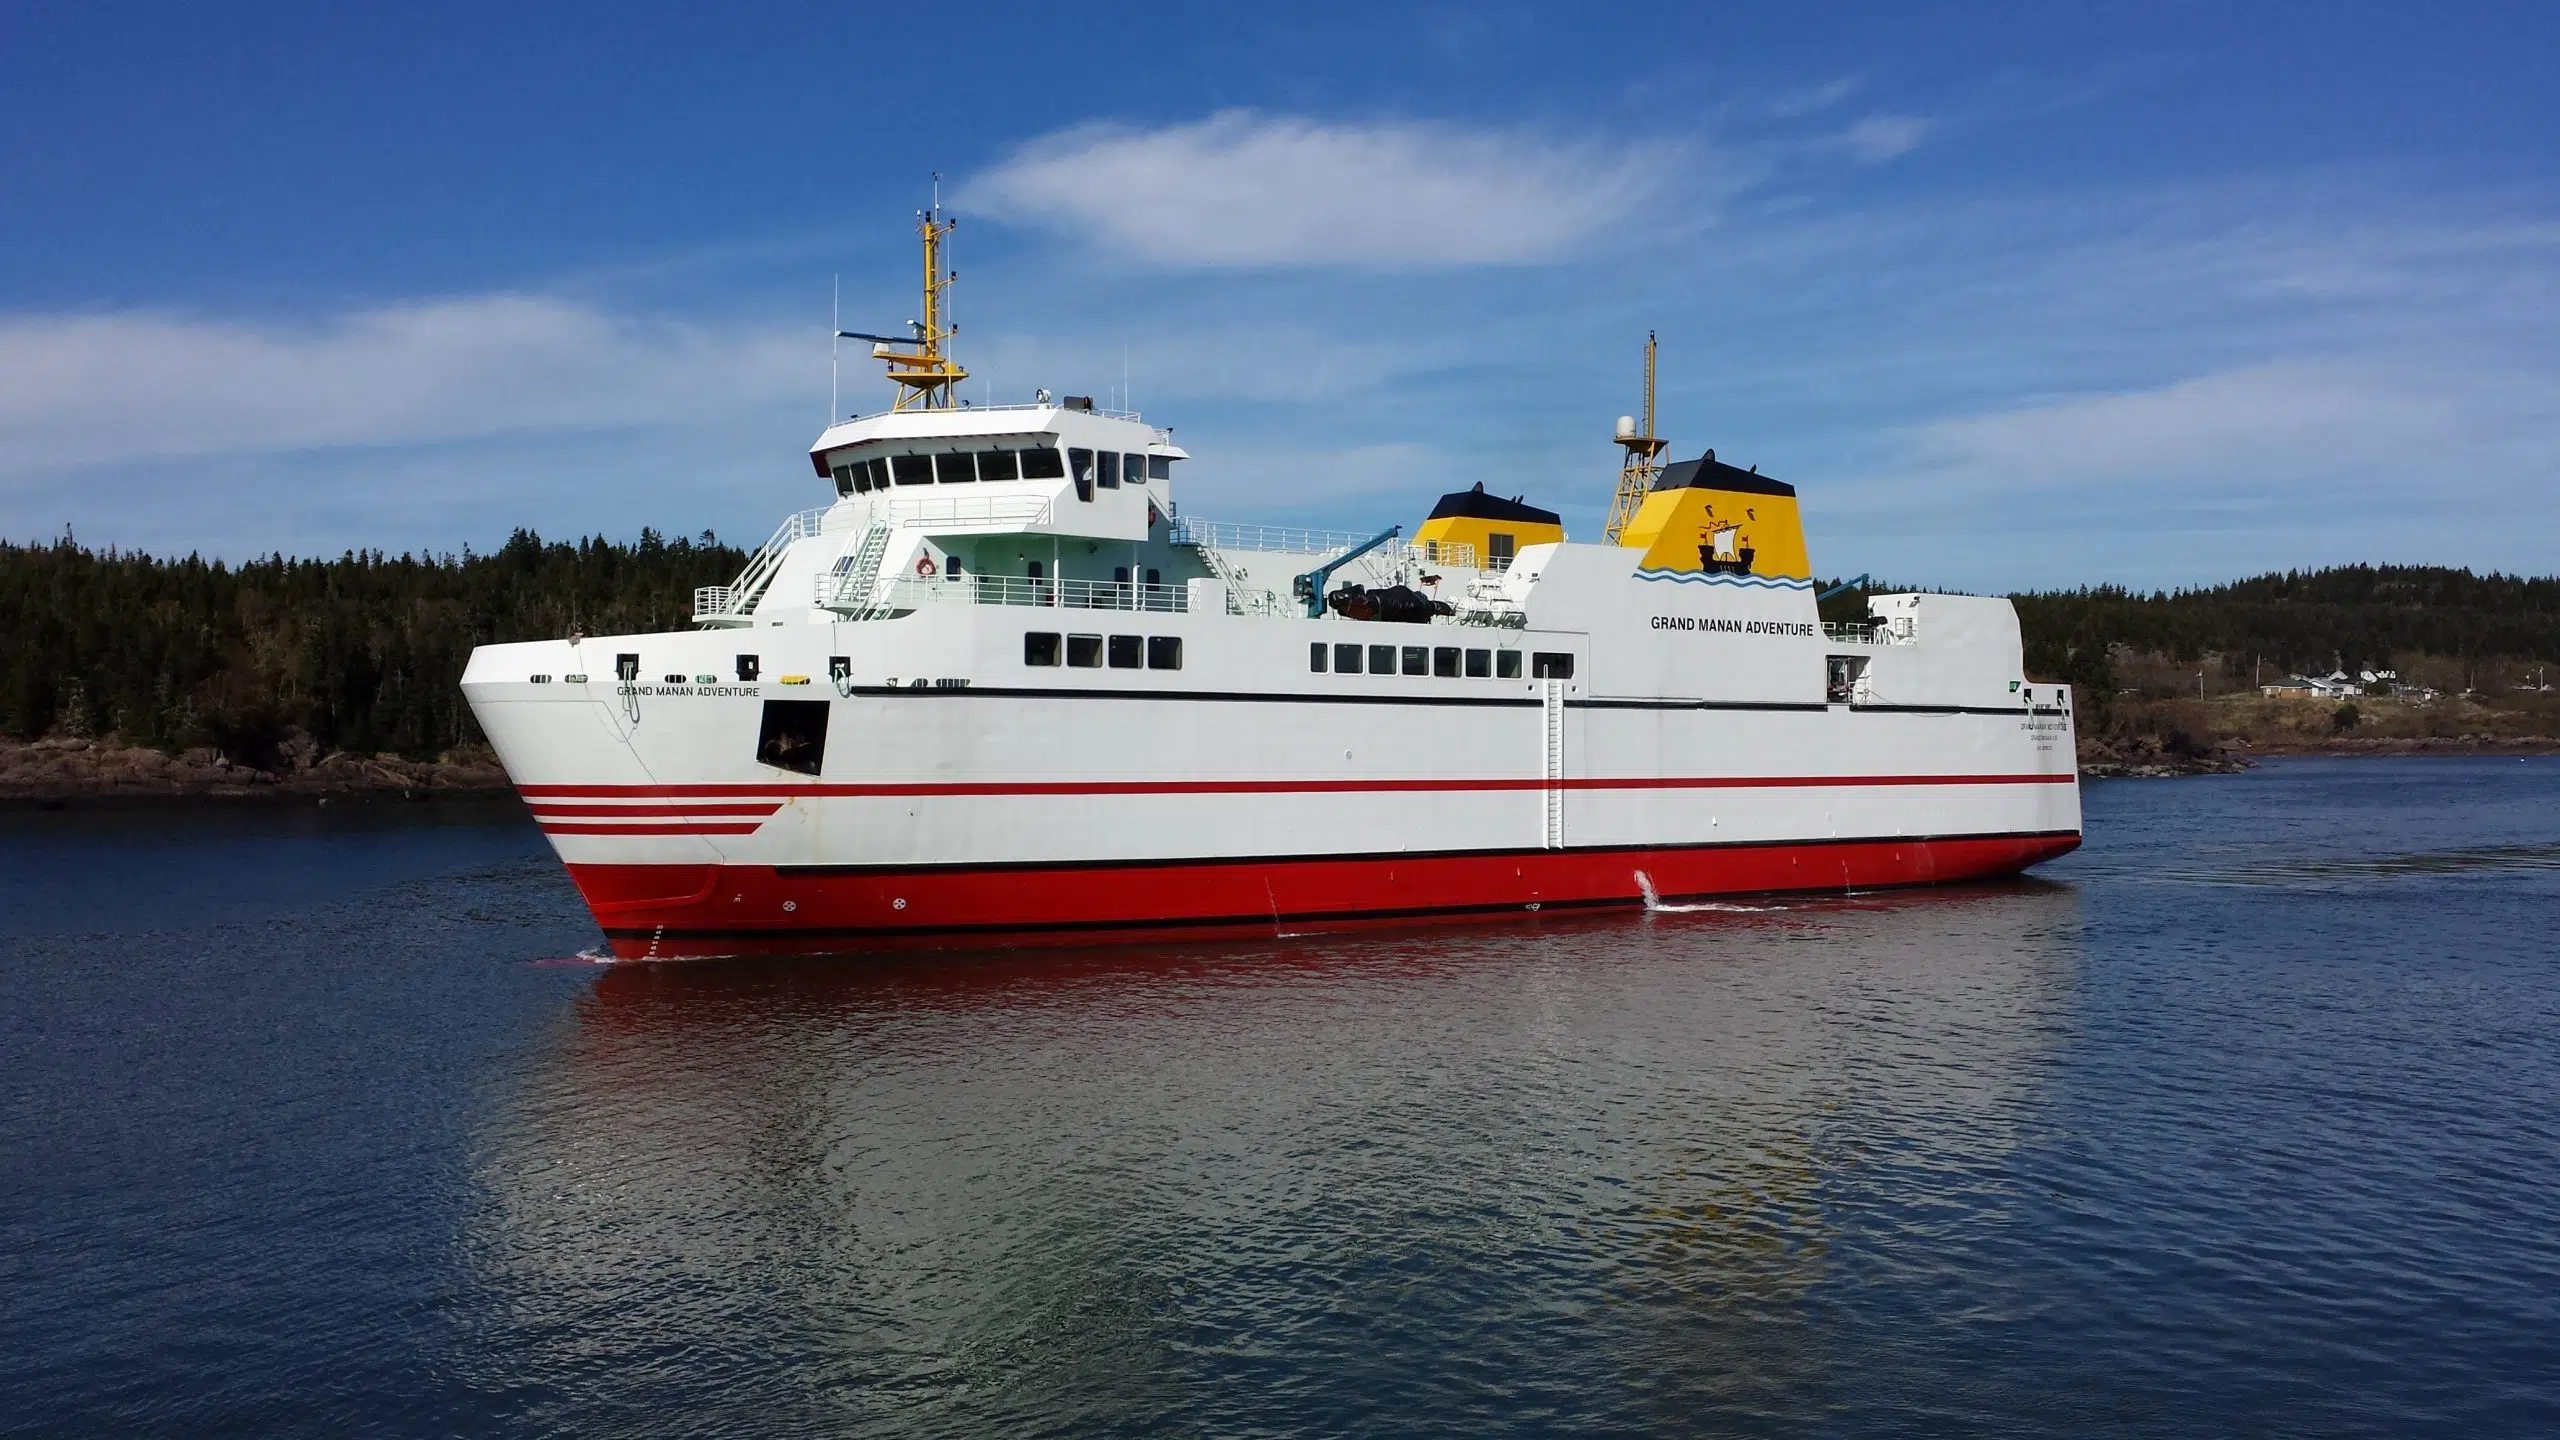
(1626, 427)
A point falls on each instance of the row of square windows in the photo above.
(1164, 652)
(1449, 662)
(1089, 652)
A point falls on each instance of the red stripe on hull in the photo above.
(671, 911)
(536, 793)
(675, 828)
(550, 809)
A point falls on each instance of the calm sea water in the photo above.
(2244, 1119)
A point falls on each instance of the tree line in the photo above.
(363, 653)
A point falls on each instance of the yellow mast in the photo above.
(925, 374)
(1636, 472)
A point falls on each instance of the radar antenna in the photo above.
(1636, 472)
(926, 376)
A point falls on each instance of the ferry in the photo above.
(1001, 688)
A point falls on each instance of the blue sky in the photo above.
(2017, 295)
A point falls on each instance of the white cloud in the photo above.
(85, 390)
(1879, 138)
(1812, 100)
(1246, 189)
(2267, 424)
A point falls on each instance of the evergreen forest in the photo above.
(362, 653)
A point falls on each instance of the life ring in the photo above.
(924, 565)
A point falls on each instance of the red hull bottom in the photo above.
(682, 911)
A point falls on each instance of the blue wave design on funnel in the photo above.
(1721, 577)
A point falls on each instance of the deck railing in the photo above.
(1289, 539)
(1067, 594)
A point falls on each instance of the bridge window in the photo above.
(1444, 662)
(911, 469)
(1128, 652)
(1506, 665)
(844, 479)
(1315, 657)
(1041, 463)
(1382, 659)
(1417, 660)
(999, 465)
(1040, 647)
(1159, 467)
(1108, 476)
(1084, 651)
(1479, 664)
(1551, 665)
(961, 469)
(1164, 652)
(1080, 465)
(1498, 550)
(1346, 659)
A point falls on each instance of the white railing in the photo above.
(1864, 632)
(727, 604)
(1212, 535)
(1027, 590)
(1456, 554)
(972, 510)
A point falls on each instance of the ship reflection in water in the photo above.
(1596, 1170)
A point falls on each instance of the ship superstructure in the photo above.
(1000, 686)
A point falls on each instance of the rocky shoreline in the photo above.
(56, 771)
(2145, 758)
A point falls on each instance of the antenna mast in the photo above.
(1636, 472)
(919, 366)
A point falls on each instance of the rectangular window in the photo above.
(1444, 662)
(961, 469)
(1479, 664)
(862, 478)
(1346, 659)
(1506, 665)
(1498, 549)
(1128, 652)
(1084, 651)
(1134, 469)
(1382, 659)
(1315, 657)
(844, 479)
(1041, 463)
(911, 469)
(793, 735)
(1417, 660)
(1080, 465)
(1164, 652)
(1040, 647)
(1551, 665)
(1159, 467)
(1108, 476)
(998, 465)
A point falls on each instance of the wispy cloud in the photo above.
(1879, 138)
(1246, 189)
(85, 390)
(1813, 100)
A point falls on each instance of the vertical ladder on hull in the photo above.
(1551, 756)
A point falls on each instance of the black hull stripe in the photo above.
(1497, 702)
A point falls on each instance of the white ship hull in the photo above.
(966, 797)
